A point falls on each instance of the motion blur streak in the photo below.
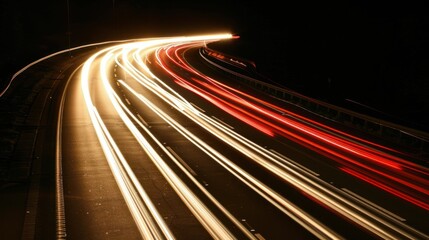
(154, 75)
(213, 225)
(341, 147)
(124, 177)
(131, 189)
(193, 114)
(313, 187)
(287, 207)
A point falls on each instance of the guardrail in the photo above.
(414, 141)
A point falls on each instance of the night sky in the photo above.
(371, 52)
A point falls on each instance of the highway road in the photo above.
(157, 139)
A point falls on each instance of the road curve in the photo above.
(157, 139)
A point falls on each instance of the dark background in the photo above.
(371, 54)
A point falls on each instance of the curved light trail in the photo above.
(355, 149)
(342, 147)
(131, 70)
(358, 156)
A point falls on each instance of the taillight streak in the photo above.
(328, 135)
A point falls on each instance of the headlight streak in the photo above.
(172, 156)
(362, 221)
(317, 228)
(285, 206)
(341, 143)
(301, 217)
(149, 82)
(297, 214)
(131, 189)
(350, 206)
(374, 207)
(288, 179)
(200, 211)
(318, 189)
(232, 110)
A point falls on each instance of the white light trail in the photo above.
(134, 195)
(132, 59)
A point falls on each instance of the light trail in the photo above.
(333, 142)
(127, 68)
(276, 199)
(370, 162)
(332, 199)
(203, 214)
(132, 59)
(125, 178)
